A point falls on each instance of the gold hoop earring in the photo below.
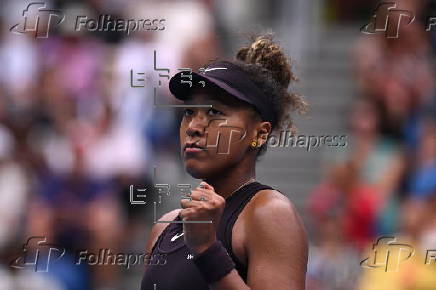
(253, 144)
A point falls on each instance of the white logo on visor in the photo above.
(215, 68)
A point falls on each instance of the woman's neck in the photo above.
(227, 182)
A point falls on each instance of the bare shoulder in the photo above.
(268, 201)
(158, 228)
(275, 232)
(271, 213)
(275, 241)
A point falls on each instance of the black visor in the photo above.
(228, 77)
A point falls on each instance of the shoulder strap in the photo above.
(234, 206)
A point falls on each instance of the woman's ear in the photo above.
(263, 132)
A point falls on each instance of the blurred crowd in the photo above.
(75, 136)
(384, 185)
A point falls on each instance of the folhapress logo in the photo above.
(388, 254)
(37, 254)
(387, 19)
(37, 19)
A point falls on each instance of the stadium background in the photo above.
(75, 135)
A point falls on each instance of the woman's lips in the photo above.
(193, 150)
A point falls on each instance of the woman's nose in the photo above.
(197, 125)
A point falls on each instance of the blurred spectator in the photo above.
(344, 197)
(423, 177)
(332, 262)
(63, 208)
(397, 74)
(14, 189)
(412, 273)
(371, 162)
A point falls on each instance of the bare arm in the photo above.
(276, 245)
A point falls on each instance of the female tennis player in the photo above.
(232, 232)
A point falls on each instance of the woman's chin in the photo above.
(196, 171)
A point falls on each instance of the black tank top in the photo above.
(179, 272)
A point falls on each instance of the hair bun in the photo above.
(266, 53)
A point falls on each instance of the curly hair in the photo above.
(269, 68)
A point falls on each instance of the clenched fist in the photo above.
(204, 205)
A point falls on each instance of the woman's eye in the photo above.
(187, 112)
(214, 112)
